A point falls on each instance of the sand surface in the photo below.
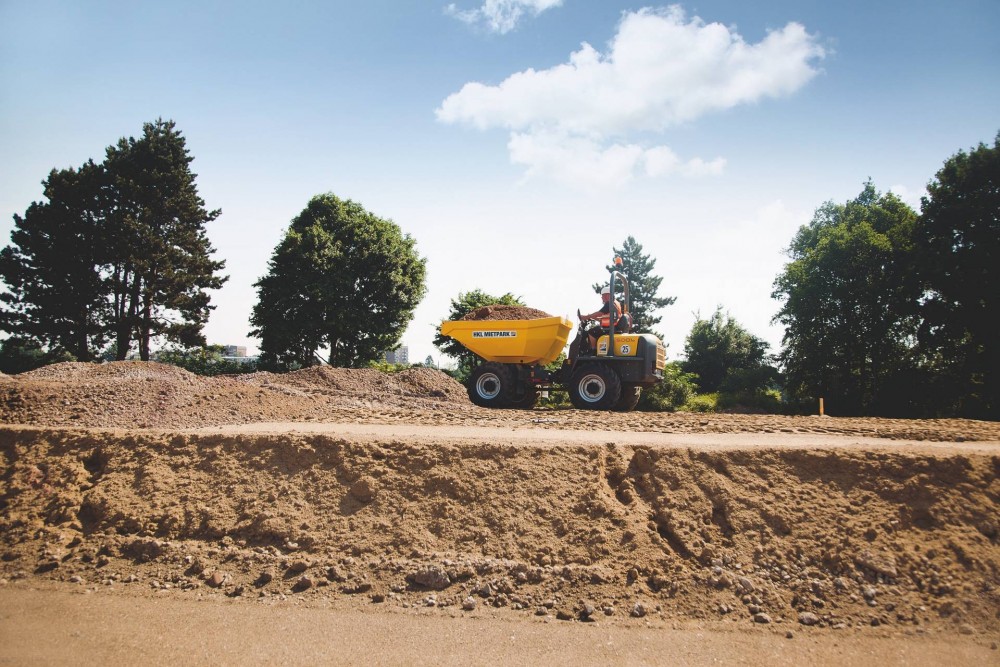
(364, 503)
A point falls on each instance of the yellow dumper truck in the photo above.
(515, 353)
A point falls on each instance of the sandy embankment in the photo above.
(402, 503)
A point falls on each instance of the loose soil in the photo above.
(498, 311)
(146, 479)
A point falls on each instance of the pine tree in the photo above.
(118, 252)
(162, 262)
(52, 268)
(643, 286)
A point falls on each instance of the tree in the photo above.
(643, 285)
(726, 357)
(161, 257)
(18, 355)
(341, 278)
(849, 305)
(460, 307)
(119, 251)
(52, 268)
(958, 241)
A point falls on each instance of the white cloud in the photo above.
(909, 196)
(660, 69)
(501, 16)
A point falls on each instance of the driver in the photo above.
(594, 332)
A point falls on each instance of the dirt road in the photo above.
(52, 625)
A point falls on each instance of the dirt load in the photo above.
(406, 496)
(498, 311)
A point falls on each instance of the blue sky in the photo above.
(516, 140)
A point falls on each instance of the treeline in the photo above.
(116, 257)
(886, 311)
(890, 312)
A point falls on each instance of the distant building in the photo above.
(401, 355)
(234, 351)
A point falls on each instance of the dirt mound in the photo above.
(498, 311)
(152, 395)
(75, 371)
(834, 539)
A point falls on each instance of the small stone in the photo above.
(432, 576)
(789, 635)
(216, 579)
(746, 585)
(469, 603)
(638, 610)
(587, 613)
(754, 608)
(966, 629)
(564, 615)
(266, 577)
(761, 618)
(875, 622)
(808, 618)
(609, 610)
(869, 593)
(303, 584)
(378, 598)
(299, 565)
(75, 579)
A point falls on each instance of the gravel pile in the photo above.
(498, 311)
(132, 394)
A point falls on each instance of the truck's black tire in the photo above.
(595, 386)
(527, 401)
(629, 398)
(491, 385)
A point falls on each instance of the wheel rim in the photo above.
(488, 386)
(592, 388)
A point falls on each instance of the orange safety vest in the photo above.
(606, 319)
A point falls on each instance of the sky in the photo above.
(518, 141)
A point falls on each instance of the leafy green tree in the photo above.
(341, 278)
(958, 241)
(643, 285)
(726, 357)
(161, 265)
(18, 355)
(205, 360)
(56, 292)
(670, 394)
(849, 305)
(460, 307)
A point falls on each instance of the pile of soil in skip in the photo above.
(152, 395)
(817, 539)
(498, 311)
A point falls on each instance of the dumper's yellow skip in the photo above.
(512, 341)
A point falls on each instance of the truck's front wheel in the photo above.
(491, 385)
(595, 387)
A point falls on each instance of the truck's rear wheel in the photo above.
(595, 387)
(629, 398)
(491, 385)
